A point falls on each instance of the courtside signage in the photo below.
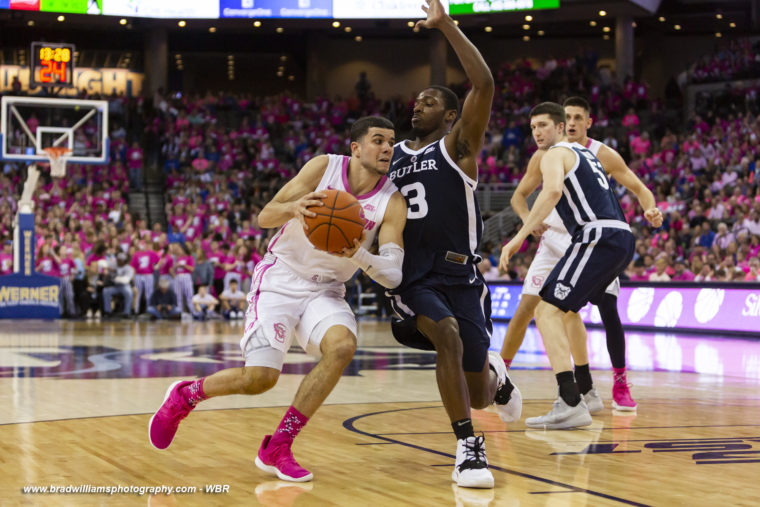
(662, 307)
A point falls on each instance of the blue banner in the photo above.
(275, 8)
(29, 297)
(27, 244)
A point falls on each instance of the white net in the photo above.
(57, 157)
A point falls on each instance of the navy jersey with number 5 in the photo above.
(444, 226)
(586, 196)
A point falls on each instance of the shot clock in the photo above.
(52, 64)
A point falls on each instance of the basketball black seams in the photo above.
(329, 224)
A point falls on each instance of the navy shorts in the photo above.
(440, 296)
(594, 259)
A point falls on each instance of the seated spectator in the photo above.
(233, 301)
(6, 258)
(681, 273)
(754, 271)
(722, 239)
(90, 297)
(121, 279)
(204, 304)
(163, 302)
(706, 238)
(639, 271)
(660, 275)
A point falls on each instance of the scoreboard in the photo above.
(52, 64)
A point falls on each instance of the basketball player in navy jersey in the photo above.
(443, 300)
(602, 245)
(554, 241)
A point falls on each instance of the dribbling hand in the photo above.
(302, 205)
(654, 217)
(435, 15)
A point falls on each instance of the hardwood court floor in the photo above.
(77, 397)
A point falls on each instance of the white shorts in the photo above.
(552, 247)
(282, 306)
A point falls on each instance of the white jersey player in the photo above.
(554, 242)
(297, 293)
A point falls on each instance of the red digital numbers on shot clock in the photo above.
(52, 64)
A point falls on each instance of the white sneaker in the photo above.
(508, 399)
(185, 317)
(89, 314)
(238, 315)
(562, 416)
(593, 401)
(471, 467)
(97, 314)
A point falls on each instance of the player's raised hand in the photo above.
(435, 14)
(302, 205)
(507, 252)
(654, 217)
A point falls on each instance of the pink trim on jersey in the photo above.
(276, 237)
(372, 192)
(588, 144)
(253, 304)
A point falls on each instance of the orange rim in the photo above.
(56, 151)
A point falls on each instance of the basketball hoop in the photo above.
(57, 156)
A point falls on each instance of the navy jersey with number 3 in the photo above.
(586, 196)
(443, 218)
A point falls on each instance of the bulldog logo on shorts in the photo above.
(537, 281)
(279, 332)
(561, 291)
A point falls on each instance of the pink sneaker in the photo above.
(621, 395)
(164, 423)
(278, 460)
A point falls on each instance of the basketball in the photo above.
(337, 224)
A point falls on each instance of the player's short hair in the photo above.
(361, 126)
(554, 110)
(450, 99)
(577, 102)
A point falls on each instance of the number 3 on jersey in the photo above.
(414, 193)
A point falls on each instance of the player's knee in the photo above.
(341, 349)
(258, 380)
(445, 337)
(543, 310)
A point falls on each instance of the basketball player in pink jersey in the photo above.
(554, 242)
(145, 260)
(297, 292)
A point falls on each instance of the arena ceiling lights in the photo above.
(261, 9)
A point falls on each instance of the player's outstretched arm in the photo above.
(386, 267)
(296, 196)
(466, 138)
(616, 167)
(553, 174)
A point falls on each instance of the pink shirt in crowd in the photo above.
(144, 261)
